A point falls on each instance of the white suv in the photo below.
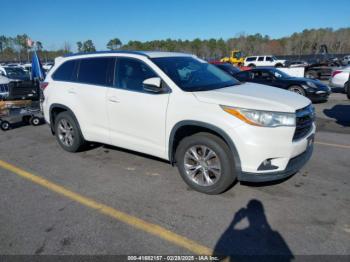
(177, 107)
(253, 61)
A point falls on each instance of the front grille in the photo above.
(304, 119)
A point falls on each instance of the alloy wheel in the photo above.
(202, 165)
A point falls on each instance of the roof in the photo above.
(149, 54)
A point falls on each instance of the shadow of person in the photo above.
(341, 113)
(257, 242)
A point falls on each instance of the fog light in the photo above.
(267, 165)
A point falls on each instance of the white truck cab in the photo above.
(267, 60)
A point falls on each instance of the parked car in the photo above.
(228, 68)
(14, 73)
(340, 78)
(253, 61)
(313, 89)
(180, 108)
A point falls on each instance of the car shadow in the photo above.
(337, 90)
(257, 242)
(341, 113)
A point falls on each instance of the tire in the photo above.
(68, 133)
(5, 125)
(35, 121)
(222, 160)
(279, 65)
(311, 74)
(251, 65)
(297, 89)
(348, 90)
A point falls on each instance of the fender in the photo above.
(213, 128)
(52, 125)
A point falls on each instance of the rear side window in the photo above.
(65, 71)
(261, 58)
(96, 71)
(252, 58)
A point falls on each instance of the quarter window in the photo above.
(250, 59)
(65, 71)
(131, 73)
(96, 71)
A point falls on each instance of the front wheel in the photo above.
(205, 163)
(348, 90)
(297, 89)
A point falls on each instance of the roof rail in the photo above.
(109, 52)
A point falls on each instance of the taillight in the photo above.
(335, 73)
(43, 85)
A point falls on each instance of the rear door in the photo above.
(94, 77)
(137, 118)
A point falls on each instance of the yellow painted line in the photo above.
(135, 222)
(333, 145)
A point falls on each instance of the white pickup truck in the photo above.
(267, 60)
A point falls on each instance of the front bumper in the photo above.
(293, 166)
(320, 94)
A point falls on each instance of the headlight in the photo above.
(311, 84)
(261, 118)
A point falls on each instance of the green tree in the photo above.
(114, 44)
(79, 46)
(88, 46)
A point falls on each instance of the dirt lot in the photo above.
(102, 201)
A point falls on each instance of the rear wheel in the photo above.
(205, 163)
(35, 121)
(68, 133)
(5, 125)
(297, 89)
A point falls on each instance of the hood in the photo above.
(255, 96)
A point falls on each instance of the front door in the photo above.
(137, 118)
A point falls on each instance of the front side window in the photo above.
(96, 71)
(192, 74)
(131, 73)
(269, 59)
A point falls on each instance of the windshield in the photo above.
(280, 74)
(192, 74)
(15, 72)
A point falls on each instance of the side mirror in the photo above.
(153, 85)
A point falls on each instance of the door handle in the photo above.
(113, 99)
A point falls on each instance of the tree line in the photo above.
(303, 43)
